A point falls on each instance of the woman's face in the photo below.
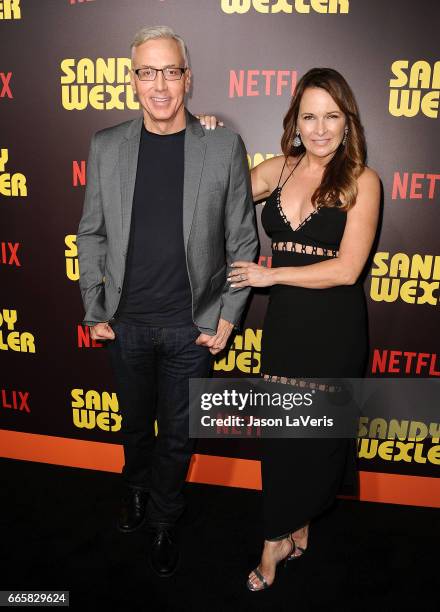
(321, 122)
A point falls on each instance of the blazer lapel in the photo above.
(195, 149)
(128, 159)
(194, 158)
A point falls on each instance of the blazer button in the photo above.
(119, 290)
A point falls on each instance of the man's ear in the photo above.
(188, 76)
(132, 81)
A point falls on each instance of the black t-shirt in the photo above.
(156, 289)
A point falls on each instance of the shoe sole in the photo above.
(141, 524)
(162, 574)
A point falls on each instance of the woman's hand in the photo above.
(249, 274)
(209, 121)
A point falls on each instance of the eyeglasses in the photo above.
(149, 74)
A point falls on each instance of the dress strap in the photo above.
(294, 168)
(284, 165)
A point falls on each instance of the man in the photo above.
(168, 206)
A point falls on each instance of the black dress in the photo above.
(318, 333)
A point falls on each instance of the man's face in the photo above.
(162, 100)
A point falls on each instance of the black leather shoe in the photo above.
(164, 552)
(133, 510)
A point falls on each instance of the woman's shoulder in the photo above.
(271, 168)
(368, 178)
(368, 190)
(368, 184)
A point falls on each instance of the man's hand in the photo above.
(218, 342)
(102, 331)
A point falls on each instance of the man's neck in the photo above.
(176, 124)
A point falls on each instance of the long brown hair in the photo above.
(348, 162)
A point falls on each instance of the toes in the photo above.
(255, 582)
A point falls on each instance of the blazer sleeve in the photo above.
(92, 244)
(241, 238)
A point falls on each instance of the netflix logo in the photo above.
(79, 176)
(9, 254)
(251, 83)
(5, 85)
(386, 361)
(265, 261)
(84, 339)
(415, 186)
(14, 400)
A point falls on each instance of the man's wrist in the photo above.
(94, 323)
(230, 324)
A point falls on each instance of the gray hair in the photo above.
(155, 32)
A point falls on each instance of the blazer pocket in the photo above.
(219, 278)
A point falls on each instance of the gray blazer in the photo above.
(218, 220)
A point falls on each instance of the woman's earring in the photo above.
(344, 140)
(297, 140)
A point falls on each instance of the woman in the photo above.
(321, 212)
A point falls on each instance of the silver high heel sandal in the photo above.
(259, 575)
(300, 549)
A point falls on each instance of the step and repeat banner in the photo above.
(64, 74)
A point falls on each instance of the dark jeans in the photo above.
(152, 366)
